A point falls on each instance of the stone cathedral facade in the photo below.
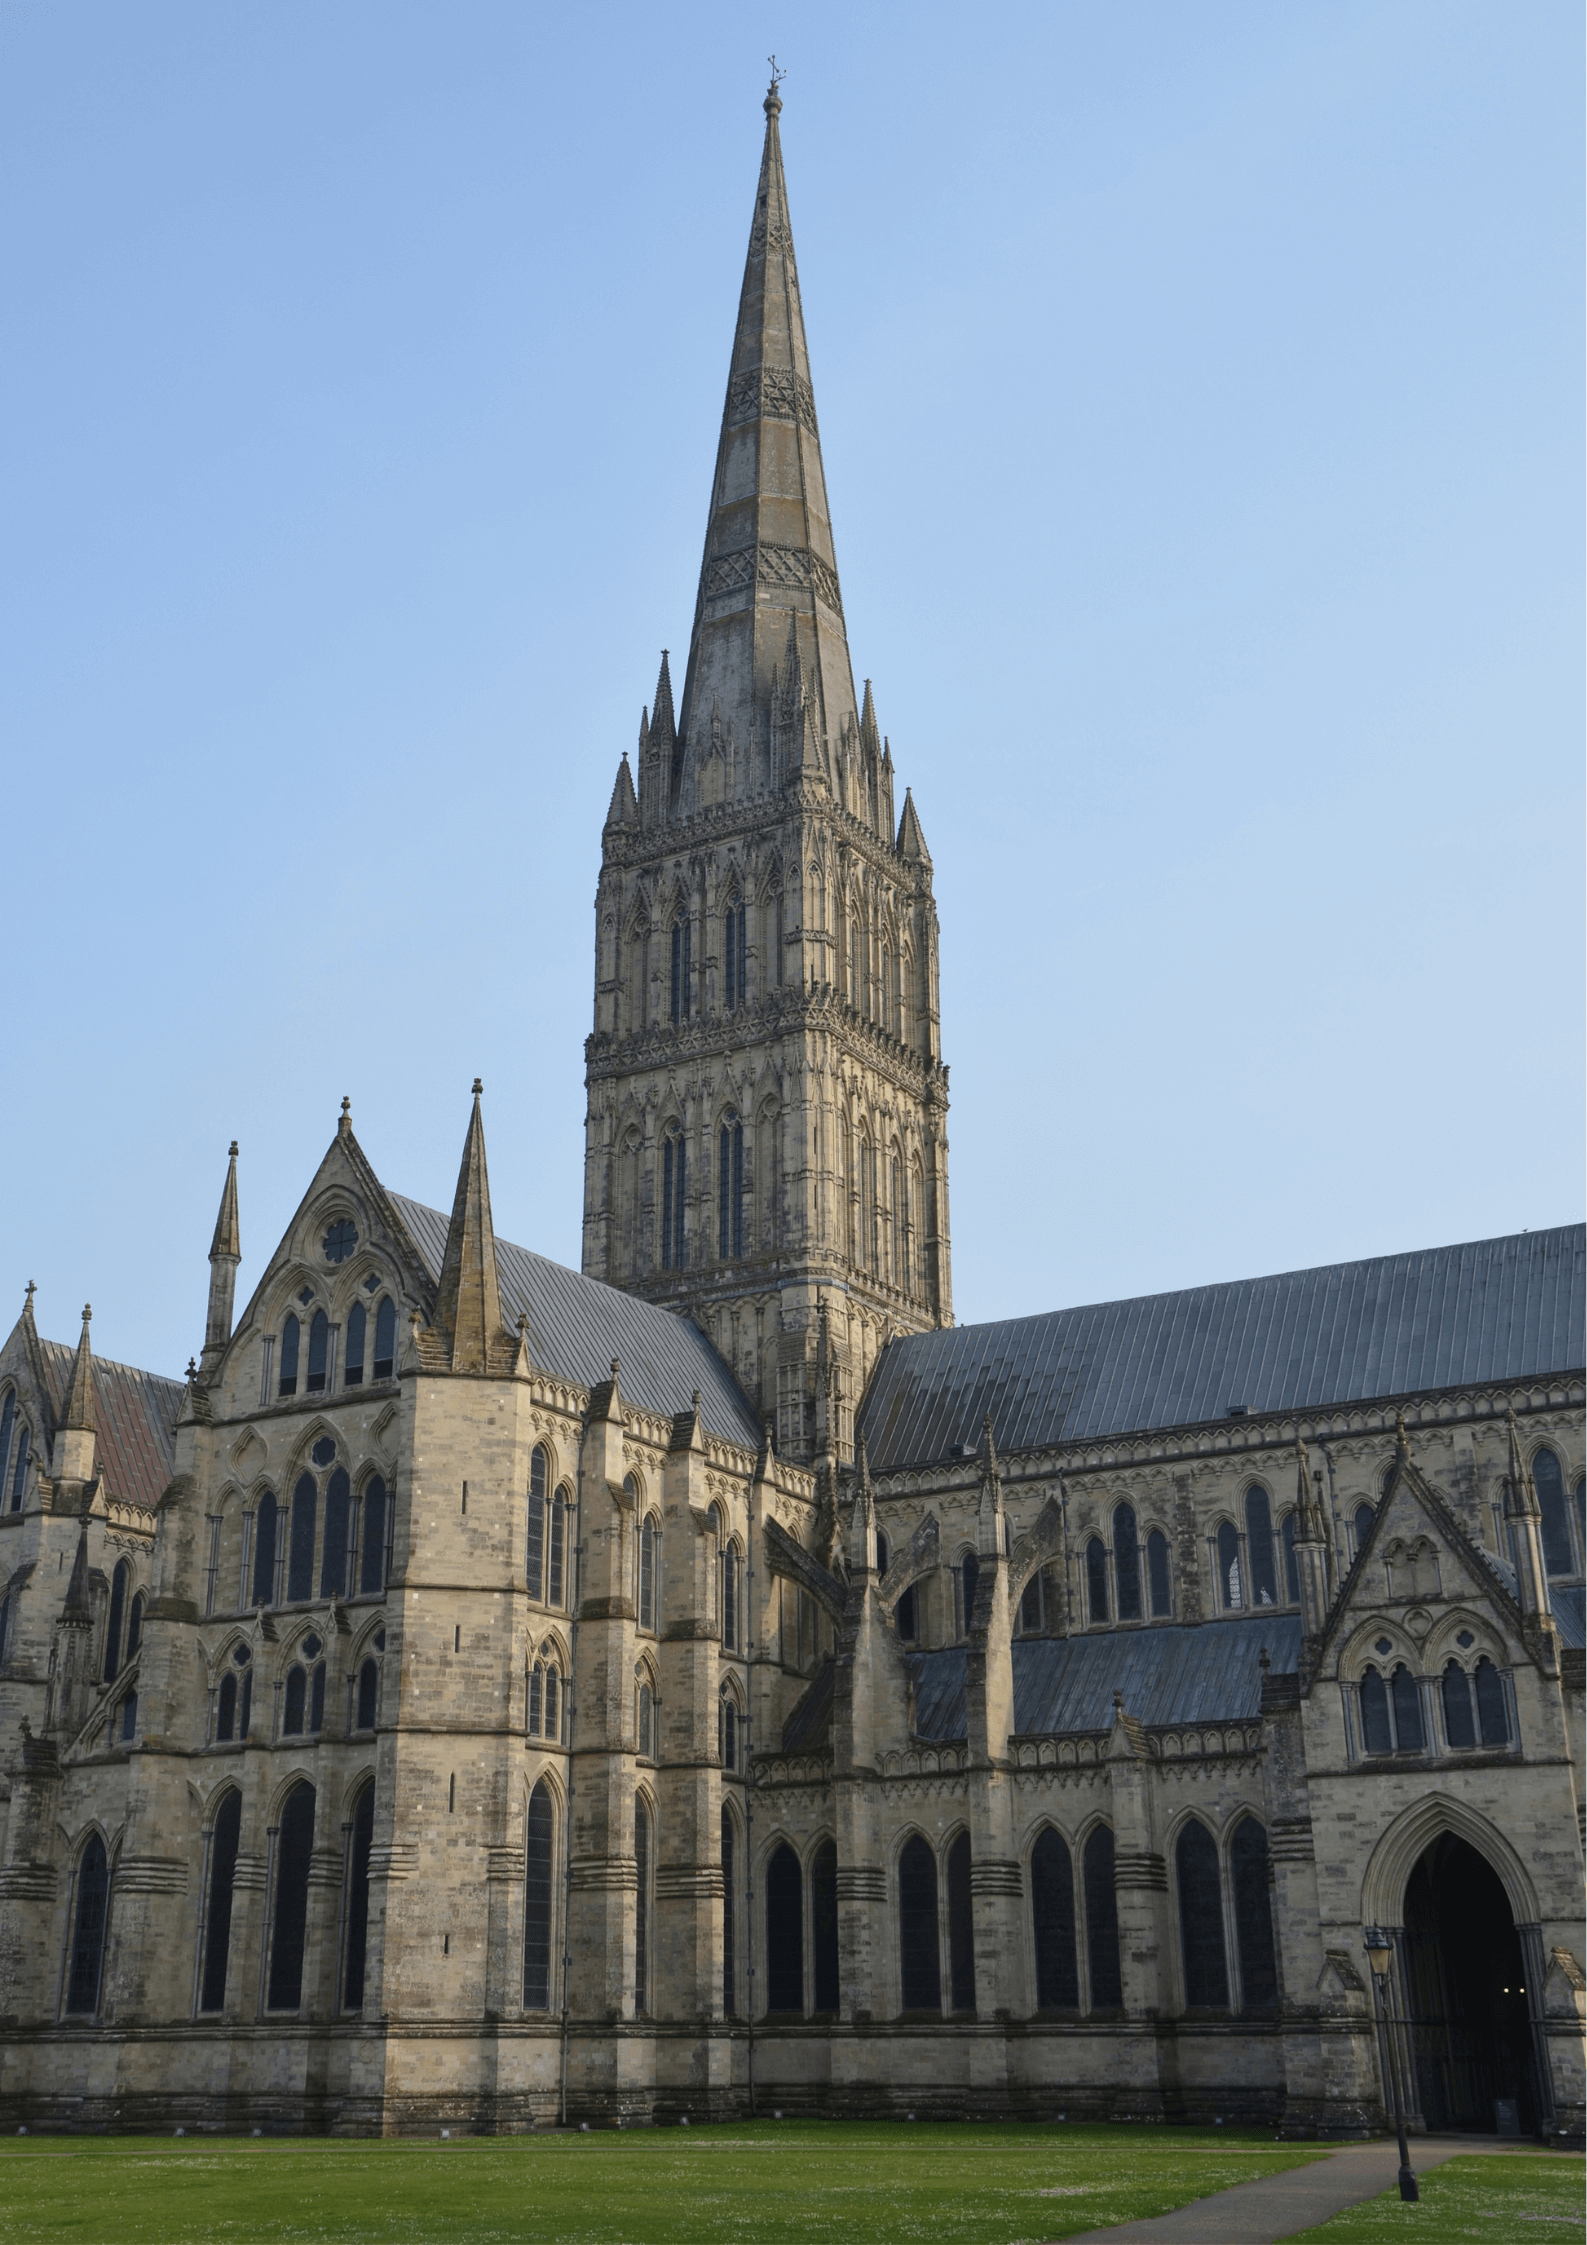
(484, 1693)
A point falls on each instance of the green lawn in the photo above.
(753, 2183)
(1507, 2199)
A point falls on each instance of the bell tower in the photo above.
(766, 1132)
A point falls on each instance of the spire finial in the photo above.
(27, 1299)
(773, 102)
(79, 1411)
(478, 1087)
(344, 1128)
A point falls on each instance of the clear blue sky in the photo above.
(1200, 390)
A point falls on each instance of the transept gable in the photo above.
(1415, 1556)
(312, 1256)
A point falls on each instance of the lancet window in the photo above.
(303, 1696)
(89, 1919)
(1159, 1575)
(1475, 1711)
(730, 1188)
(1549, 1481)
(785, 1932)
(682, 969)
(234, 1700)
(735, 956)
(674, 1197)
(1391, 1712)
(225, 1833)
(642, 1913)
(539, 1899)
(360, 1842)
(119, 1582)
(1259, 1546)
(294, 1850)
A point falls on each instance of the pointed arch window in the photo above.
(1253, 1917)
(920, 1958)
(224, 1836)
(135, 1625)
(556, 1568)
(535, 1556)
(319, 1353)
(682, 968)
(824, 1928)
(726, 1730)
(1361, 1524)
(385, 1339)
(1391, 1712)
(375, 1556)
(1549, 1481)
(735, 955)
(729, 1917)
(264, 1549)
(1102, 1922)
(1231, 1588)
(303, 1522)
(234, 1703)
(1159, 1575)
(338, 1517)
(90, 1916)
(537, 1698)
(785, 1932)
(1096, 1580)
(648, 1540)
(674, 1196)
(730, 1188)
(19, 1471)
(294, 1851)
(1201, 1919)
(291, 1334)
(368, 1694)
(1259, 1546)
(129, 1718)
(1291, 1563)
(118, 1602)
(961, 1928)
(1052, 1902)
(641, 1908)
(1493, 1716)
(904, 1223)
(732, 1567)
(360, 1843)
(646, 1723)
(539, 1897)
(1127, 1562)
(357, 1333)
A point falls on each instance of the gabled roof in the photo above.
(577, 1325)
(1493, 1309)
(135, 1446)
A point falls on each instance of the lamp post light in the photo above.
(1380, 1955)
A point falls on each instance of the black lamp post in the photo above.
(1380, 1955)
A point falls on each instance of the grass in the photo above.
(1493, 2195)
(750, 2183)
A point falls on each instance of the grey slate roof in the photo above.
(577, 1325)
(1174, 1673)
(1491, 1309)
(135, 1415)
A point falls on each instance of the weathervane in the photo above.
(777, 76)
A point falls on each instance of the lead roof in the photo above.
(1493, 1309)
(576, 1326)
(135, 1411)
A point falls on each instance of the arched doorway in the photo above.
(1467, 1988)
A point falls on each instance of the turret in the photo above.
(1311, 1545)
(72, 1457)
(468, 1312)
(225, 1253)
(991, 1527)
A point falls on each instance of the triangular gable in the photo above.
(1411, 1493)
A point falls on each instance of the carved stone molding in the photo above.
(785, 568)
(771, 393)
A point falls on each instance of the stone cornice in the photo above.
(1222, 1440)
(786, 1012)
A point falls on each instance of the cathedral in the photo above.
(488, 1695)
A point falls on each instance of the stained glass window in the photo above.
(961, 1927)
(1102, 1922)
(539, 1893)
(1052, 1899)
(1201, 1920)
(294, 1849)
(224, 1836)
(1127, 1562)
(1253, 1916)
(919, 1949)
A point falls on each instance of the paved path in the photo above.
(1276, 2206)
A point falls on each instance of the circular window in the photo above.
(340, 1241)
(323, 1451)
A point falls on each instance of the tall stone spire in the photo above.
(468, 1299)
(225, 1253)
(769, 560)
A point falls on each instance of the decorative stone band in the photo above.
(1139, 1870)
(688, 1882)
(770, 233)
(784, 568)
(1289, 1840)
(151, 1874)
(505, 1865)
(394, 1861)
(861, 1882)
(27, 1882)
(995, 1874)
(251, 1876)
(604, 1874)
(771, 393)
(325, 1866)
